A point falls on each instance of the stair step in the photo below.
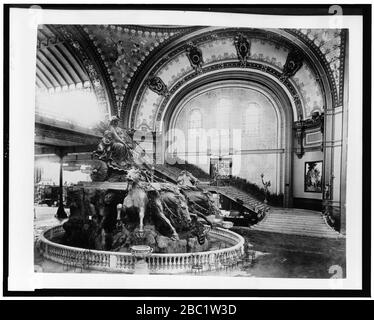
(285, 228)
(318, 226)
(306, 230)
(291, 227)
(296, 221)
(324, 235)
(307, 222)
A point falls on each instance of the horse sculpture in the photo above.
(166, 204)
(136, 200)
(200, 203)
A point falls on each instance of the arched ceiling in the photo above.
(120, 56)
(124, 49)
(56, 65)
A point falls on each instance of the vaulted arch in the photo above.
(276, 93)
(315, 67)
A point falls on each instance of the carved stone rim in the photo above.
(110, 261)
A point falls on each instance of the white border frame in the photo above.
(23, 24)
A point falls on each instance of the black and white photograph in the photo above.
(189, 149)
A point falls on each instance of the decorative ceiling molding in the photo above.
(56, 67)
(211, 72)
(329, 46)
(119, 59)
(195, 56)
(243, 48)
(157, 85)
(293, 64)
(279, 37)
(124, 48)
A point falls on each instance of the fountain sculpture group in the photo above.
(130, 220)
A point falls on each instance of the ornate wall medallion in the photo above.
(293, 64)
(195, 56)
(243, 47)
(157, 85)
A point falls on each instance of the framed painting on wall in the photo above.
(221, 167)
(313, 176)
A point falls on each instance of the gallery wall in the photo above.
(239, 122)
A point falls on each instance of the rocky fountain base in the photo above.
(123, 240)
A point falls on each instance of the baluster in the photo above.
(158, 263)
(125, 262)
(102, 257)
(148, 260)
(90, 259)
(151, 263)
(105, 264)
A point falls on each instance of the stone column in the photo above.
(332, 164)
(335, 160)
(343, 181)
(61, 214)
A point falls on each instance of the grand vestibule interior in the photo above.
(266, 107)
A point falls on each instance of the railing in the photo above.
(158, 263)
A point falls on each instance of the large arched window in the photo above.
(195, 119)
(251, 120)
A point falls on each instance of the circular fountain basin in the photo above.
(158, 263)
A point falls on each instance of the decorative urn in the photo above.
(140, 252)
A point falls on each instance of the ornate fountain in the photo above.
(129, 220)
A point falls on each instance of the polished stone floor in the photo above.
(277, 255)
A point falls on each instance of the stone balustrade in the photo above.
(158, 263)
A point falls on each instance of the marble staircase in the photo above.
(230, 192)
(291, 221)
(167, 171)
(235, 194)
(297, 222)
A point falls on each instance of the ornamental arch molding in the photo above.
(283, 103)
(289, 40)
(224, 77)
(255, 73)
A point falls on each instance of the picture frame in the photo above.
(221, 168)
(313, 176)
